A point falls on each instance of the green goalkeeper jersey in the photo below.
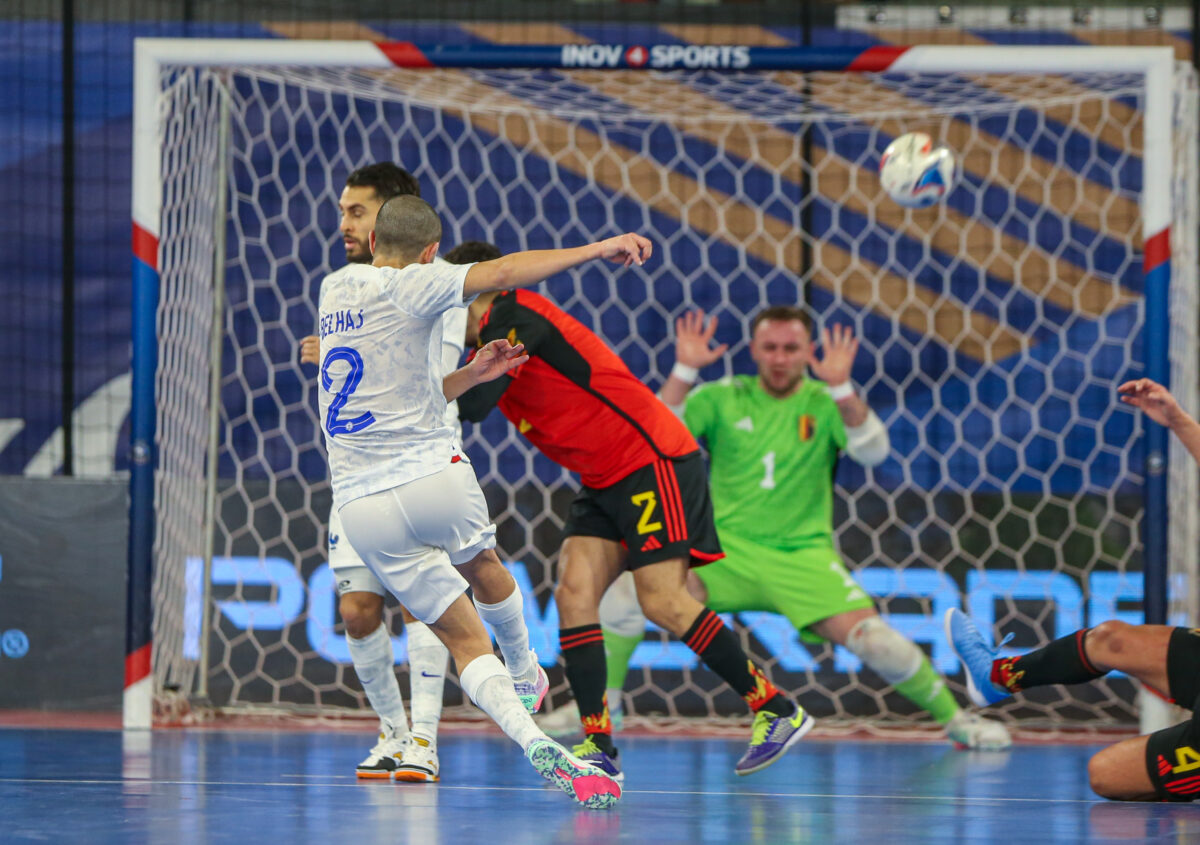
(772, 460)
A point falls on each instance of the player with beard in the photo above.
(644, 507)
(401, 753)
(774, 439)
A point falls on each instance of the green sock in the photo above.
(619, 651)
(926, 689)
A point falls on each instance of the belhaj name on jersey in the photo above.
(341, 322)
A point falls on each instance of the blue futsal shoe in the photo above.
(589, 752)
(977, 657)
(771, 736)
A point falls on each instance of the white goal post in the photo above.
(994, 325)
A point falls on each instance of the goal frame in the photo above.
(1155, 64)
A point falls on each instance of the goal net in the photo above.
(995, 327)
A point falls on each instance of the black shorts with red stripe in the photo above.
(658, 512)
(1173, 754)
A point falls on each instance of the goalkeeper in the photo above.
(773, 440)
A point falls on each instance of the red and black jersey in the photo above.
(574, 399)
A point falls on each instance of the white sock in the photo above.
(616, 702)
(427, 678)
(375, 665)
(507, 619)
(488, 684)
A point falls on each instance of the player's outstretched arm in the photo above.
(310, 350)
(867, 440)
(522, 269)
(692, 354)
(488, 364)
(1159, 405)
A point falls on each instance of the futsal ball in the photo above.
(915, 173)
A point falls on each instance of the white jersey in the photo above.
(381, 403)
(454, 338)
(454, 334)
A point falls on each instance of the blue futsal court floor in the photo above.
(184, 786)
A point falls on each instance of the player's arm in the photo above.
(1159, 405)
(491, 362)
(310, 347)
(867, 440)
(692, 354)
(523, 269)
(508, 319)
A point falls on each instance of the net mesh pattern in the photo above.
(994, 327)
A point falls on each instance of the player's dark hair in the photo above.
(468, 252)
(388, 180)
(405, 226)
(782, 314)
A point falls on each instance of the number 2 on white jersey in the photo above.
(768, 479)
(332, 424)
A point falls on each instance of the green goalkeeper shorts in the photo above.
(804, 585)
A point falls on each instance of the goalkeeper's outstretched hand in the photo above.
(692, 339)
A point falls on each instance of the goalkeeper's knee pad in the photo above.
(619, 609)
(894, 657)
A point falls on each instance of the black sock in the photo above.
(583, 651)
(720, 650)
(1063, 661)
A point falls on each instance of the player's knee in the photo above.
(1105, 777)
(890, 654)
(362, 613)
(1108, 640)
(574, 598)
(666, 611)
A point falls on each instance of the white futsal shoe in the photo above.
(970, 730)
(563, 721)
(419, 764)
(385, 756)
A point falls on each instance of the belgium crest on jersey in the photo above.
(807, 427)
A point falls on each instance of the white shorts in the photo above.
(350, 573)
(411, 537)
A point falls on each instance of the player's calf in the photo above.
(1137, 650)
(500, 604)
(490, 581)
